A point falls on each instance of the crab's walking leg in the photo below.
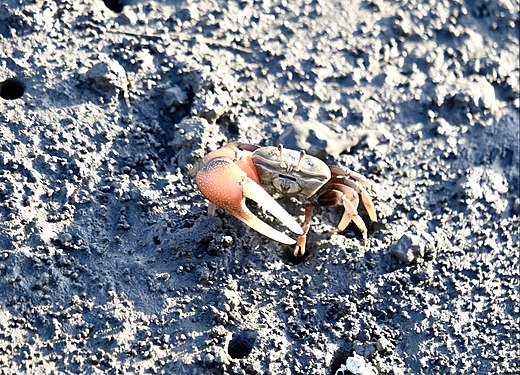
(301, 241)
(349, 215)
(341, 174)
(359, 184)
(367, 201)
(212, 209)
(346, 196)
(225, 184)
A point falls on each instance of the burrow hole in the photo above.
(241, 344)
(114, 5)
(11, 88)
(292, 260)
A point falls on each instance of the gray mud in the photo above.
(108, 261)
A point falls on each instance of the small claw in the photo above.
(227, 186)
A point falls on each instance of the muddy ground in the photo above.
(108, 260)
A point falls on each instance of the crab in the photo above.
(238, 171)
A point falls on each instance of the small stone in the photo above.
(355, 364)
(403, 26)
(319, 139)
(408, 248)
(108, 76)
(65, 239)
(382, 344)
(227, 240)
(128, 16)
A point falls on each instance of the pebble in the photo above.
(355, 365)
(65, 239)
(382, 344)
(319, 139)
(411, 247)
(108, 76)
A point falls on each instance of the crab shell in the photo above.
(282, 177)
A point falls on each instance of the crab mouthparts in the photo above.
(286, 185)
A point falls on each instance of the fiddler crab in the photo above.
(238, 171)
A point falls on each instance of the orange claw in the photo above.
(225, 184)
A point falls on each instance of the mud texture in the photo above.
(109, 263)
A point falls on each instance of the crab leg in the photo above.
(341, 174)
(349, 215)
(359, 177)
(367, 201)
(227, 185)
(349, 198)
(299, 249)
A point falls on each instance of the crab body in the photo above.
(236, 171)
(280, 175)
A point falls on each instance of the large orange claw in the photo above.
(227, 185)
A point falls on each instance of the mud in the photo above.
(108, 260)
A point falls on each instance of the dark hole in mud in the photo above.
(114, 5)
(178, 103)
(11, 89)
(230, 126)
(291, 259)
(241, 344)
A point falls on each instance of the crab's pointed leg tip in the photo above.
(299, 249)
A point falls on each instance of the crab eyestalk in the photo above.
(282, 162)
(298, 165)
